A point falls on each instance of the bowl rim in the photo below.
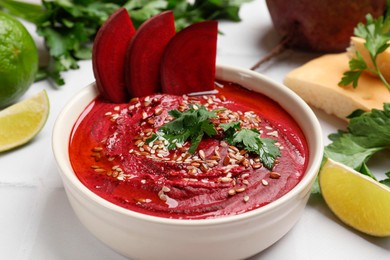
(66, 170)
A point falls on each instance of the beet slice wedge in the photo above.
(143, 57)
(189, 60)
(108, 56)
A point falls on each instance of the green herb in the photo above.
(191, 124)
(376, 33)
(367, 134)
(69, 27)
(196, 122)
(357, 66)
(249, 140)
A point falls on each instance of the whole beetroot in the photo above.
(321, 25)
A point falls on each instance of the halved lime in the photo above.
(358, 200)
(22, 121)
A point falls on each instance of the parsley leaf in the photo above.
(367, 134)
(357, 66)
(376, 33)
(191, 124)
(250, 140)
(230, 128)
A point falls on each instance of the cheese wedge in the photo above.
(316, 82)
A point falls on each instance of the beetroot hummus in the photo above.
(113, 154)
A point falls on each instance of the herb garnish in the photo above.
(249, 140)
(193, 123)
(367, 134)
(69, 26)
(376, 33)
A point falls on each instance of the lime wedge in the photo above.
(22, 121)
(356, 199)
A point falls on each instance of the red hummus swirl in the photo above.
(111, 156)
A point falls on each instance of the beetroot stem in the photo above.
(278, 49)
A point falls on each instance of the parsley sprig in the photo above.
(250, 140)
(191, 124)
(376, 33)
(368, 133)
(196, 122)
(68, 27)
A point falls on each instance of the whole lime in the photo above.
(18, 59)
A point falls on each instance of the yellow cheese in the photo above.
(316, 82)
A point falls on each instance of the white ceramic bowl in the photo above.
(142, 236)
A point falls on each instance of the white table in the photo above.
(37, 222)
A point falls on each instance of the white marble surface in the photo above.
(37, 222)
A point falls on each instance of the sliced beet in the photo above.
(188, 63)
(143, 57)
(108, 56)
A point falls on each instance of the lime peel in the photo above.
(22, 121)
(19, 60)
(356, 199)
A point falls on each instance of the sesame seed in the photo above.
(195, 164)
(226, 160)
(202, 154)
(146, 147)
(256, 165)
(264, 182)
(163, 197)
(273, 133)
(158, 111)
(97, 149)
(245, 162)
(245, 175)
(232, 192)
(134, 99)
(274, 175)
(192, 171)
(226, 179)
(139, 142)
(240, 189)
(166, 189)
(204, 167)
